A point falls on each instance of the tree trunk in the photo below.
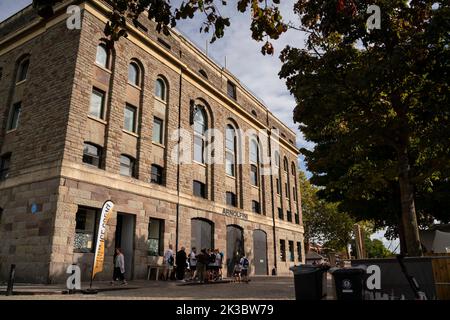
(409, 219)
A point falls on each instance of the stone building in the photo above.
(81, 124)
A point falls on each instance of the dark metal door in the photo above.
(235, 247)
(260, 252)
(202, 234)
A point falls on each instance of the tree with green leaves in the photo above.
(375, 102)
(324, 223)
(377, 106)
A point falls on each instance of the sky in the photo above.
(243, 58)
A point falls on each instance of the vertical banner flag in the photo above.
(100, 246)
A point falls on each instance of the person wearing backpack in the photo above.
(244, 268)
(168, 263)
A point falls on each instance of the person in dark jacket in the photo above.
(181, 259)
(202, 262)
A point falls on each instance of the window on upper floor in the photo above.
(293, 169)
(133, 74)
(297, 218)
(92, 154)
(203, 73)
(127, 166)
(231, 199)
(231, 90)
(157, 174)
(278, 186)
(160, 89)
(254, 151)
(97, 104)
(256, 208)
(289, 216)
(294, 193)
(286, 188)
(277, 159)
(5, 162)
(200, 125)
(130, 118)
(280, 214)
(230, 150)
(13, 121)
(199, 189)
(158, 132)
(254, 175)
(285, 165)
(102, 56)
(22, 71)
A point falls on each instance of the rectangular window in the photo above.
(280, 214)
(229, 164)
(5, 162)
(199, 189)
(231, 90)
(299, 251)
(256, 207)
(254, 175)
(92, 154)
(157, 130)
(155, 241)
(97, 105)
(14, 116)
(291, 251)
(130, 117)
(198, 149)
(289, 216)
(157, 174)
(282, 250)
(287, 190)
(86, 229)
(231, 199)
(127, 166)
(297, 218)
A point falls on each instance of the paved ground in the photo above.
(259, 288)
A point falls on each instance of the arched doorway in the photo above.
(260, 252)
(202, 234)
(235, 246)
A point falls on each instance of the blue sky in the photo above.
(244, 59)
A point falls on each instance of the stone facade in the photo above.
(48, 182)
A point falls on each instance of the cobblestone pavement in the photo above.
(258, 288)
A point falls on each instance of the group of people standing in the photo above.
(203, 266)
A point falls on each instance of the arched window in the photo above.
(133, 74)
(22, 71)
(102, 57)
(160, 89)
(285, 164)
(230, 150)
(127, 166)
(293, 169)
(200, 125)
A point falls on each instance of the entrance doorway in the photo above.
(125, 240)
(202, 234)
(260, 252)
(235, 247)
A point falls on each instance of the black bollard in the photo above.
(12, 273)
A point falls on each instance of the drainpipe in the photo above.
(178, 160)
(272, 197)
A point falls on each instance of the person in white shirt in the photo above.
(119, 267)
(168, 263)
(193, 263)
